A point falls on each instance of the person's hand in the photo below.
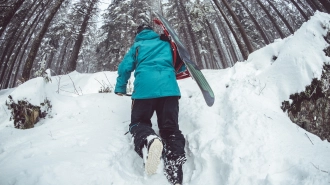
(119, 94)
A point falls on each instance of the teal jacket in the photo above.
(151, 58)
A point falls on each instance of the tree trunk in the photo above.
(312, 5)
(258, 27)
(61, 62)
(194, 41)
(208, 61)
(306, 6)
(220, 53)
(80, 38)
(299, 9)
(230, 54)
(278, 29)
(37, 41)
(315, 4)
(4, 58)
(8, 15)
(326, 5)
(18, 44)
(281, 16)
(240, 27)
(10, 57)
(21, 59)
(50, 59)
(244, 52)
(184, 33)
(232, 48)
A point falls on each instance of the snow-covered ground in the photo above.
(244, 139)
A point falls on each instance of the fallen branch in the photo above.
(75, 89)
(51, 135)
(319, 168)
(262, 89)
(309, 138)
(100, 83)
(313, 91)
(108, 80)
(67, 91)
(106, 88)
(58, 81)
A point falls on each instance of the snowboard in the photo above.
(183, 53)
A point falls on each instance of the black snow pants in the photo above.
(167, 110)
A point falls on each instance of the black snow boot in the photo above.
(173, 168)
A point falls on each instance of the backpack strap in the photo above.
(179, 66)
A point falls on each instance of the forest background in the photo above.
(82, 35)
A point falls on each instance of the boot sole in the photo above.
(154, 156)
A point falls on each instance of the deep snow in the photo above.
(244, 139)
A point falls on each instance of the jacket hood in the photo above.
(146, 35)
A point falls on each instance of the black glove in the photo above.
(163, 37)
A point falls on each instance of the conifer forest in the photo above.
(69, 35)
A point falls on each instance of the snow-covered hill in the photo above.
(244, 139)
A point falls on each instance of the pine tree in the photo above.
(118, 32)
(72, 63)
(37, 41)
(8, 12)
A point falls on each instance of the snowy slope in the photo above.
(244, 139)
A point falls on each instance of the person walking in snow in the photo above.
(155, 89)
